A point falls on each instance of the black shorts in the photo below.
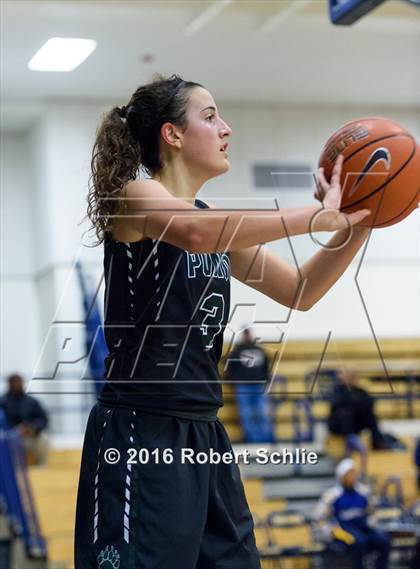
(159, 513)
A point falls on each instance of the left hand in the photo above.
(329, 194)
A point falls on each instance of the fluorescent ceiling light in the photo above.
(61, 54)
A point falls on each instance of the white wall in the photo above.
(389, 276)
(19, 301)
(44, 187)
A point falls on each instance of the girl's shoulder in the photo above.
(122, 232)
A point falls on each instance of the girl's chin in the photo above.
(225, 169)
(218, 169)
(226, 162)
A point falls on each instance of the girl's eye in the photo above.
(210, 117)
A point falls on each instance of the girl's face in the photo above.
(206, 136)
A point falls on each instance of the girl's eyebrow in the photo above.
(213, 108)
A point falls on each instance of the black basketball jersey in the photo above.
(165, 313)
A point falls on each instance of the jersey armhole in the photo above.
(110, 239)
(203, 204)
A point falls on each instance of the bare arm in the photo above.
(156, 213)
(264, 271)
(325, 267)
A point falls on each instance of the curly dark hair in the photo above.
(128, 141)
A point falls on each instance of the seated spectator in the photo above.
(24, 413)
(346, 507)
(248, 368)
(352, 410)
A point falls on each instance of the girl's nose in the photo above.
(226, 129)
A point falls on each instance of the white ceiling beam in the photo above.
(206, 16)
(291, 9)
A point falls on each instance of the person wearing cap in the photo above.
(346, 506)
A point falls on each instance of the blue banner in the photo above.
(96, 348)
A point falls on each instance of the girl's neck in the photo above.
(180, 181)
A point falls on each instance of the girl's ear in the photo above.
(171, 135)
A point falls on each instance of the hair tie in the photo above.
(172, 96)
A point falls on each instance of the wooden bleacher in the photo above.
(401, 357)
(381, 465)
(55, 486)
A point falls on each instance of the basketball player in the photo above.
(168, 258)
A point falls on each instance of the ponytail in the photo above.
(115, 161)
(127, 141)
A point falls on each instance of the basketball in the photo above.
(381, 169)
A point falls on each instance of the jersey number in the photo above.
(214, 307)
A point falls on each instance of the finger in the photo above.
(358, 216)
(318, 191)
(322, 182)
(336, 173)
(339, 162)
(338, 165)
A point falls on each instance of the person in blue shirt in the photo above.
(248, 369)
(346, 505)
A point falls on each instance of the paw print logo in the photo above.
(109, 558)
